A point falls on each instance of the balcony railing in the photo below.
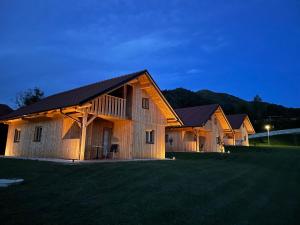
(108, 105)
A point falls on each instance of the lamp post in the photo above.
(268, 127)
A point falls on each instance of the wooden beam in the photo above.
(87, 105)
(91, 120)
(83, 136)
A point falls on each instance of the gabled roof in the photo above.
(196, 116)
(5, 109)
(237, 120)
(78, 96)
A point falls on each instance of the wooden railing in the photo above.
(109, 106)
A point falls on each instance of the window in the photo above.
(188, 136)
(245, 138)
(17, 135)
(145, 103)
(216, 121)
(150, 137)
(37, 134)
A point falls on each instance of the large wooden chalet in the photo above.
(121, 118)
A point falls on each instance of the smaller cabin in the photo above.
(242, 127)
(4, 110)
(203, 130)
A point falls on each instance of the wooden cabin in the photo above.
(242, 127)
(4, 110)
(203, 130)
(120, 118)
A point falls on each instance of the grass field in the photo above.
(248, 186)
(278, 140)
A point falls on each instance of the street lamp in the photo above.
(268, 127)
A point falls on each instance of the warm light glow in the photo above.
(267, 127)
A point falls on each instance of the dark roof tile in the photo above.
(73, 97)
(5, 109)
(196, 116)
(237, 120)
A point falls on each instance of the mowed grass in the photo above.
(278, 140)
(248, 186)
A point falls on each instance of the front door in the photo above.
(202, 140)
(106, 141)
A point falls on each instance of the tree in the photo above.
(29, 97)
(257, 98)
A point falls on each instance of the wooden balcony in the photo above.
(107, 105)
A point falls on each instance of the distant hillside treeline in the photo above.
(260, 113)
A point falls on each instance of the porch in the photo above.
(102, 121)
(106, 139)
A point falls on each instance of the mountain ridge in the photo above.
(261, 113)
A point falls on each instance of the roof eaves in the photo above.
(163, 97)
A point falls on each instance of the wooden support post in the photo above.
(124, 113)
(198, 142)
(196, 132)
(83, 136)
(234, 144)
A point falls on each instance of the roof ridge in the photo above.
(98, 82)
(240, 114)
(190, 107)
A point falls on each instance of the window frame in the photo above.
(150, 136)
(17, 135)
(145, 103)
(37, 136)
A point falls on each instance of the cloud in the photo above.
(145, 45)
(194, 71)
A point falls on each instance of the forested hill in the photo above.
(259, 112)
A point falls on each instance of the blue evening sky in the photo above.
(239, 47)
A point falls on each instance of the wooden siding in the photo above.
(123, 136)
(53, 144)
(147, 119)
(181, 143)
(239, 136)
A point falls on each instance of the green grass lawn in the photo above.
(249, 186)
(278, 140)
